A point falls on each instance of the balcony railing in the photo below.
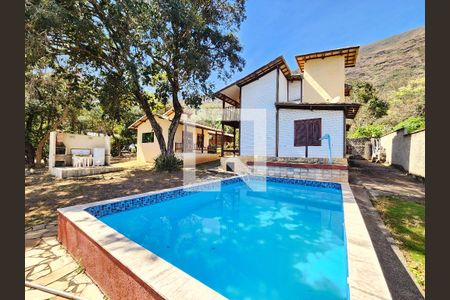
(231, 114)
(194, 148)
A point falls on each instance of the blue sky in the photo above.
(291, 27)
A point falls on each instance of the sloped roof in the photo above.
(350, 54)
(143, 119)
(230, 93)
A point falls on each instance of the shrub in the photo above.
(168, 163)
(411, 124)
(368, 131)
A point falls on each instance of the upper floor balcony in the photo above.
(231, 116)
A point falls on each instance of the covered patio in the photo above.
(74, 155)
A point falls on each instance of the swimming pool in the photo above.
(244, 238)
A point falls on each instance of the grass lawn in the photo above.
(406, 222)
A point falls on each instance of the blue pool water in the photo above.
(286, 242)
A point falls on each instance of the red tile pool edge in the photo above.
(101, 266)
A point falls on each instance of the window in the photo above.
(308, 132)
(148, 137)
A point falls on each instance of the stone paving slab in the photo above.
(48, 263)
(382, 180)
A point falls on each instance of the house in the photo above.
(277, 113)
(299, 108)
(194, 143)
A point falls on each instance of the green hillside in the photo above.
(395, 67)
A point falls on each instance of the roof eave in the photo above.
(350, 109)
(350, 53)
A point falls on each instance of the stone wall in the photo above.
(359, 147)
(305, 168)
(335, 175)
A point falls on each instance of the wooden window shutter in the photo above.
(308, 132)
(315, 132)
(300, 133)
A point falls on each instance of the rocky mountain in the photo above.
(392, 62)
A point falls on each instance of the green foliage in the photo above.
(97, 119)
(405, 220)
(168, 46)
(50, 99)
(209, 114)
(407, 101)
(168, 163)
(363, 92)
(377, 107)
(54, 91)
(405, 108)
(392, 70)
(411, 124)
(368, 131)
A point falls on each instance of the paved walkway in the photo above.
(370, 180)
(47, 263)
(382, 180)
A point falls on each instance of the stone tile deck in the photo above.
(48, 263)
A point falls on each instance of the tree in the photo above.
(363, 92)
(53, 89)
(171, 47)
(99, 119)
(49, 99)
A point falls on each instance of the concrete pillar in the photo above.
(52, 150)
(107, 150)
(234, 141)
(203, 139)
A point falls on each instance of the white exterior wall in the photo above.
(324, 80)
(259, 94)
(406, 150)
(282, 91)
(295, 92)
(332, 123)
(149, 151)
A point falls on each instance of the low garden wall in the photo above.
(300, 168)
(406, 150)
(301, 171)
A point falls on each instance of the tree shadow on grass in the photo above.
(45, 194)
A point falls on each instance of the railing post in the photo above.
(234, 141)
(203, 139)
(223, 129)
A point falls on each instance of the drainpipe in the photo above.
(52, 291)
(327, 137)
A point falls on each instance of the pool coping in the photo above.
(165, 281)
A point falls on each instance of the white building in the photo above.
(194, 143)
(276, 112)
(279, 113)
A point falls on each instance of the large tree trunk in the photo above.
(29, 148)
(40, 146)
(175, 121)
(29, 154)
(151, 118)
